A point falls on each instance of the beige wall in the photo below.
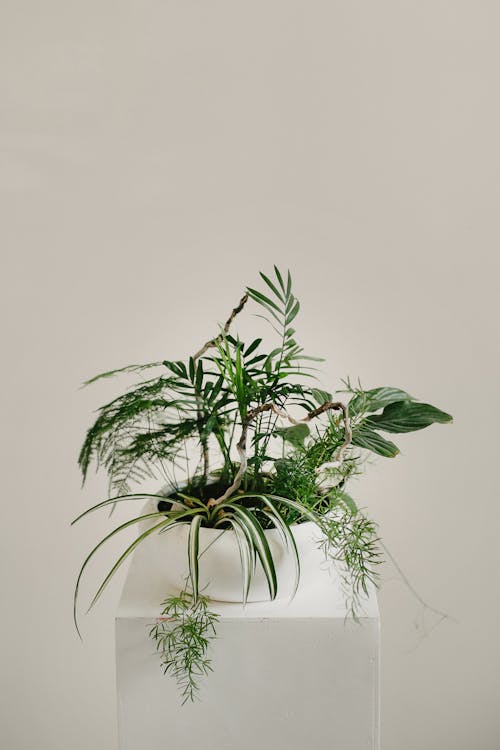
(155, 156)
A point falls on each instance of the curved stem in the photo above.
(253, 413)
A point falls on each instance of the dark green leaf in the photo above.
(363, 437)
(191, 369)
(199, 375)
(252, 347)
(295, 435)
(271, 286)
(259, 297)
(279, 277)
(370, 401)
(407, 416)
(292, 314)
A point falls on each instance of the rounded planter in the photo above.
(219, 560)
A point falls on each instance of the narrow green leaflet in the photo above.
(259, 297)
(272, 286)
(364, 437)
(407, 416)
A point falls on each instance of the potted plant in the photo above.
(256, 460)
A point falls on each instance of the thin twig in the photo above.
(213, 342)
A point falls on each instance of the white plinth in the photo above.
(287, 675)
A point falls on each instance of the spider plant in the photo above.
(257, 446)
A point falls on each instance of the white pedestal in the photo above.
(287, 675)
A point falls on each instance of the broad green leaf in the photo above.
(377, 398)
(364, 437)
(407, 416)
(320, 396)
(295, 435)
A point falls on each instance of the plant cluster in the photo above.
(246, 441)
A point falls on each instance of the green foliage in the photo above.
(407, 416)
(182, 635)
(219, 420)
(351, 543)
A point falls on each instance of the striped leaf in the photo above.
(304, 512)
(260, 543)
(193, 549)
(364, 437)
(96, 548)
(169, 522)
(407, 416)
(121, 499)
(288, 537)
(375, 399)
(246, 548)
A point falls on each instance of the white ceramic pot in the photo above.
(219, 561)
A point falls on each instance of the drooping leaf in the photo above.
(245, 549)
(193, 549)
(121, 499)
(288, 537)
(407, 416)
(364, 437)
(371, 401)
(96, 548)
(163, 524)
(261, 545)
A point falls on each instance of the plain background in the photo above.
(156, 155)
